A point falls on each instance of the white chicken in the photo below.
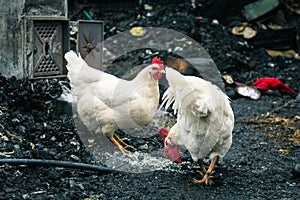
(204, 124)
(114, 103)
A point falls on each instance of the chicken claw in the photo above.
(206, 173)
(202, 167)
(120, 143)
(122, 149)
(205, 179)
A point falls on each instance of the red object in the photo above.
(156, 60)
(171, 151)
(163, 132)
(272, 84)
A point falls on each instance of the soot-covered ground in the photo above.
(34, 123)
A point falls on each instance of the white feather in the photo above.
(205, 118)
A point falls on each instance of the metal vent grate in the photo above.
(49, 45)
(47, 65)
(46, 31)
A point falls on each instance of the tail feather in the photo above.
(79, 73)
(74, 64)
(167, 100)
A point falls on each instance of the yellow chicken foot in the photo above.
(202, 167)
(121, 141)
(207, 174)
(202, 170)
(116, 142)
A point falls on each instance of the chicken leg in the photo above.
(202, 167)
(206, 173)
(120, 143)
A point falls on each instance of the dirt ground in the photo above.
(35, 124)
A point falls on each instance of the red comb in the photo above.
(156, 60)
(163, 132)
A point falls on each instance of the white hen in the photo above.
(106, 103)
(205, 119)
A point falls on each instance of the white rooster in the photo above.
(106, 103)
(205, 121)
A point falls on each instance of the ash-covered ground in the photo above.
(35, 124)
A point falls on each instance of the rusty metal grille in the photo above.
(49, 45)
